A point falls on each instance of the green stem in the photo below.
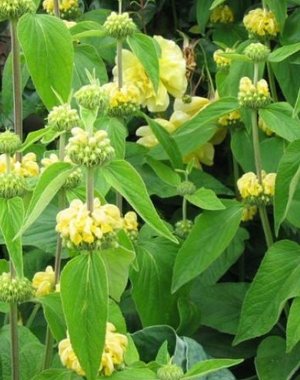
(49, 350)
(120, 63)
(7, 159)
(90, 189)
(120, 6)
(255, 75)
(33, 315)
(184, 209)
(17, 83)
(15, 367)
(266, 225)
(272, 82)
(56, 8)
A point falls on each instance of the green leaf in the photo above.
(126, 180)
(84, 293)
(87, 58)
(283, 52)
(168, 143)
(208, 366)
(272, 362)
(220, 305)
(279, 8)
(33, 137)
(216, 3)
(210, 236)
(277, 280)
(134, 374)
(54, 315)
(278, 117)
(293, 325)
(117, 134)
(155, 261)
(203, 12)
(11, 220)
(287, 180)
(202, 126)
(205, 199)
(117, 262)
(57, 374)
(145, 49)
(51, 180)
(164, 172)
(47, 38)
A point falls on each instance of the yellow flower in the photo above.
(253, 96)
(263, 126)
(222, 14)
(80, 228)
(204, 154)
(112, 356)
(172, 73)
(261, 22)
(147, 137)
(129, 93)
(230, 119)
(43, 282)
(28, 166)
(130, 221)
(249, 186)
(68, 8)
(268, 182)
(222, 62)
(248, 213)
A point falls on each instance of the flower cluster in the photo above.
(172, 73)
(83, 229)
(112, 357)
(119, 26)
(14, 289)
(249, 212)
(63, 118)
(147, 137)
(253, 191)
(89, 150)
(14, 9)
(69, 9)
(73, 179)
(183, 228)
(130, 225)
(122, 101)
(231, 119)
(223, 63)
(27, 167)
(44, 282)
(12, 185)
(253, 96)
(261, 23)
(222, 15)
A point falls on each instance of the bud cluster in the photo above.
(257, 52)
(253, 96)
(119, 26)
(10, 142)
(12, 185)
(63, 118)
(186, 188)
(69, 9)
(14, 9)
(91, 97)
(222, 14)
(123, 101)
(231, 119)
(223, 63)
(183, 228)
(89, 150)
(14, 289)
(170, 372)
(261, 23)
(248, 212)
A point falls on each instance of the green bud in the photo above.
(12, 185)
(119, 26)
(14, 289)
(183, 228)
(73, 180)
(257, 52)
(187, 99)
(10, 142)
(186, 188)
(126, 109)
(170, 372)
(14, 9)
(92, 97)
(63, 118)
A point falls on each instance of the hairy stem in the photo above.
(120, 63)
(56, 8)
(184, 209)
(49, 350)
(90, 189)
(17, 83)
(15, 367)
(256, 146)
